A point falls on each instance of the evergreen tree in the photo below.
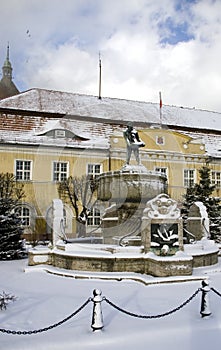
(203, 192)
(204, 189)
(214, 213)
(11, 193)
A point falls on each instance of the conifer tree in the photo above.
(11, 193)
(214, 213)
(204, 189)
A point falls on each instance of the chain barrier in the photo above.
(8, 331)
(216, 291)
(97, 317)
(153, 316)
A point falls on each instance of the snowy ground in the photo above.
(44, 299)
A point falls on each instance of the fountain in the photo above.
(141, 228)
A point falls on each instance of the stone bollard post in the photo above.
(205, 308)
(97, 317)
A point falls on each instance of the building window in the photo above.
(23, 170)
(216, 178)
(160, 140)
(60, 133)
(94, 169)
(94, 217)
(24, 214)
(162, 170)
(189, 177)
(60, 171)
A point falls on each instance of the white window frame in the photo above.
(216, 178)
(162, 169)
(189, 177)
(94, 217)
(23, 216)
(59, 133)
(93, 172)
(94, 214)
(59, 171)
(23, 172)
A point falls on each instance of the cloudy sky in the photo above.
(146, 46)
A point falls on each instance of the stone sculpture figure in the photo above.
(162, 228)
(133, 142)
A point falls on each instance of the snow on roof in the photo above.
(212, 142)
(96, 120)
(23, 129)
(120, 110)
(30, 139)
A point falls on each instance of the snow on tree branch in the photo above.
(5, 299)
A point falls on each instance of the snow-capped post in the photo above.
(97, 317)
(205, 308)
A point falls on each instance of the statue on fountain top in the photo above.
(133, 142)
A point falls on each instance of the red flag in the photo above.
(161, 103)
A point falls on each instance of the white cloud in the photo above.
(60, 51)
(66, 68)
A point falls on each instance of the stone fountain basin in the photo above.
(131, 185)
(110, 258)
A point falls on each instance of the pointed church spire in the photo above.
(7, 67)
(7, 57)
(7, 87)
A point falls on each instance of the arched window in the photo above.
(24, 214)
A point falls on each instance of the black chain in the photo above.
(216, 291)
(49, 327)
(153, 316)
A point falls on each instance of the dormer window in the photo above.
(59, 133)
(62, 134)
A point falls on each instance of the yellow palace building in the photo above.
(46, 136)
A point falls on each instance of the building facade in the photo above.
(46, 136)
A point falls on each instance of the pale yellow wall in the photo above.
(41, 190)
(174, 141)
(178, 152)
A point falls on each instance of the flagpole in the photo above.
(161, 104)
(99, 95)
